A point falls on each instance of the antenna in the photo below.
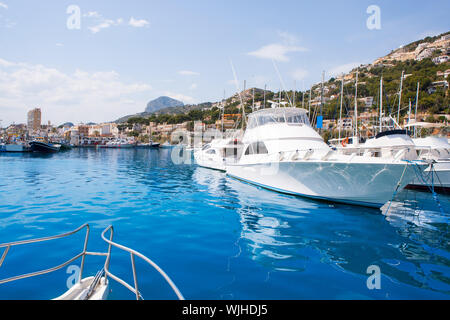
(282, 82)
(239, 93)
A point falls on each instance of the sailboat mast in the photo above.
(409, 112)
(415, 113)
(340, 109)
(293, 95)
(321, 93)
(400, 97)
(253, 100)
(309, 103)
(356, 107)
(381, 104)
(265, 86)
(223, 108)
(303, 95)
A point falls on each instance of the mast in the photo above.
(253, 100)
(280, 94)
(303, 94)
(321, 93)
(415, 113)
(409, 112)
(265, 86)
(400, 97)
(340, 109)
(309, 103)
(381, 103)
(293, 95)
(356, 107)
(223, 108)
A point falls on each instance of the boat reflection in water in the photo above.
(325, 249)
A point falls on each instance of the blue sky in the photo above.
(129, 52)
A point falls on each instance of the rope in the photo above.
(396, 188)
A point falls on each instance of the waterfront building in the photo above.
(34, 120)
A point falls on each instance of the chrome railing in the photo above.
(83, 254)
(134, 253)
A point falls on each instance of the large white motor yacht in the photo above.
(284, 153)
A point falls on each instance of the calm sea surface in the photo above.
(216, 237)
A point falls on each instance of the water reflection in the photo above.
(287, 234)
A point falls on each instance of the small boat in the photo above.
(166, 145)
(122, 143)
(94, 287)
(38, 146)
(154, 144)
(14, 148)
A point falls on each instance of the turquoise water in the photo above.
(216, 237)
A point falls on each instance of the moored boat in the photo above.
(38, 146)
(282, 152)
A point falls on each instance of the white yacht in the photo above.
(218, 153)
(398, 145)
(120, 143)
(438, 150)
(284, 153)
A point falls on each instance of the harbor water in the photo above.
(217, 238)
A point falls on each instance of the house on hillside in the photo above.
(440, 59)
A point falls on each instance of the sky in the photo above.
(98, 60)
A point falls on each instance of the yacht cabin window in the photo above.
(256, 148)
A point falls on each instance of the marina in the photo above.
(216, 237)
(246, 157)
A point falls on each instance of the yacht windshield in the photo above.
(291, 116)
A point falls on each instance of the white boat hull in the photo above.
(80, 289)
(367, 184)
(211, 162)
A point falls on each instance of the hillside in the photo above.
(161, 103)
(424, 61)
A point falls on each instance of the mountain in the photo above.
(161, 103)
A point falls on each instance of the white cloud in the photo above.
(343, 68)
(279, 51)
(188, 73)
(299, 74)
(92, 14)
(59, 44)
(138, 23)
(81, 96)
(3, 5)
(105, 23)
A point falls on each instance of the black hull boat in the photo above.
(37, 146)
